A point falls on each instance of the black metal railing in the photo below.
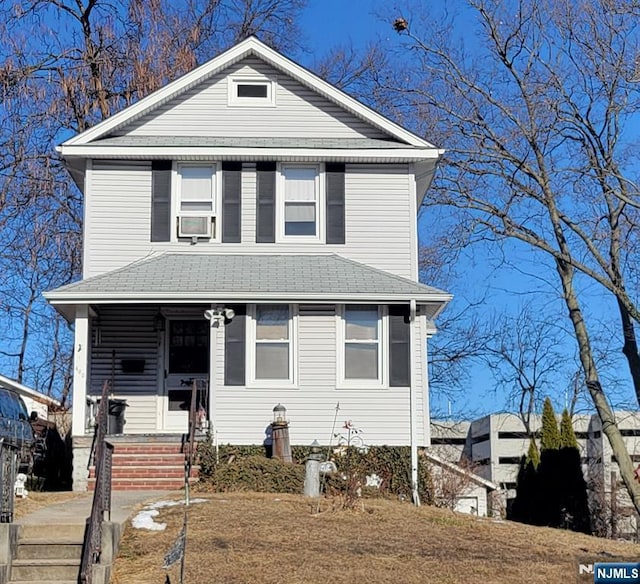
(102, 456)
(198, 419)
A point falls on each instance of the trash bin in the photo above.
(115, 420)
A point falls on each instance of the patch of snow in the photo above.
(145, 518)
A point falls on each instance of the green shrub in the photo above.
(257, 473)
(392, 466)
(246, 468)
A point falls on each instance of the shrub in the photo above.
(257, 473)
(392, 466)
(246, 468)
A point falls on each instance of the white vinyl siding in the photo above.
(204, 110)
(117, 227)
(242, 413)
(127, 332)
(378, 219)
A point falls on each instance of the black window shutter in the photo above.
(231, 205)
(399, 354)
(335, 202)
(160, 200)
(234, 347)
(266, 203)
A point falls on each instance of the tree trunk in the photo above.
(630, 348)
(607, 417)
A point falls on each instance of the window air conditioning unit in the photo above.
(198, 226)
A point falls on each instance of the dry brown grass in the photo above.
(36, 500)
(267, 539)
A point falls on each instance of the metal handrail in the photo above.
(102, 454)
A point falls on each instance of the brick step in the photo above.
(48, 549)
(151, 448)
(46, 570)
(147, 471)
(138, 459)
(141, 484)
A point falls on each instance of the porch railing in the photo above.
(198, 418)
(102, 455)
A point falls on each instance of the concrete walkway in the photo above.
(76, 511)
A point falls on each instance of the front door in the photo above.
(187, 358)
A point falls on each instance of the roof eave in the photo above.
(66, 299)
(408, 154)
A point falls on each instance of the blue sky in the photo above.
(480, 278)
(330, 22)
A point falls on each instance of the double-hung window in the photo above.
(361, 337)
(300, 207)
(197, 200)
(273, 343)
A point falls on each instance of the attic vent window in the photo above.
(251, 92)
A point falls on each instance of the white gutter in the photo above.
(98, 151)
(412, 406)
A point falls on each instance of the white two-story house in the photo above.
(251, 188)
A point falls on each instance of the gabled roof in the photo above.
(249, 47)
(203, 278)
(435, 459)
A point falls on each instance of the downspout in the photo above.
(412, 406)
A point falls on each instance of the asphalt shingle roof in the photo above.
(193, 276)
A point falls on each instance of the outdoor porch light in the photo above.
(158, 322)
(279, 414)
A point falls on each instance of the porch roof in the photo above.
(205, 277)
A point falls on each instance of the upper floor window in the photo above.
(203, 201)
(300, 202)
(197, 201)
(250, 91)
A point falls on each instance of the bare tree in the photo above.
(65, 65)
(524, 353)
(533, 113)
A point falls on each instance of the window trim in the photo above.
(235, 101)
(320, 182)
(251, 341)
(382, 382)
(176, 199)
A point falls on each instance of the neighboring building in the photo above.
(495, 444)
(461, 489)
(251, 188)
(34, 400)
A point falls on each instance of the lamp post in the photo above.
(280, 434)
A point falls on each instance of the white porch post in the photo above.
(81, 350)
(213, 339)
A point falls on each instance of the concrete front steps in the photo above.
(47, 554)
(146, 465)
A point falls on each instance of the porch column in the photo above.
(213, 367)
(81, 350)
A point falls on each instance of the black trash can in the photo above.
(115, 419)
